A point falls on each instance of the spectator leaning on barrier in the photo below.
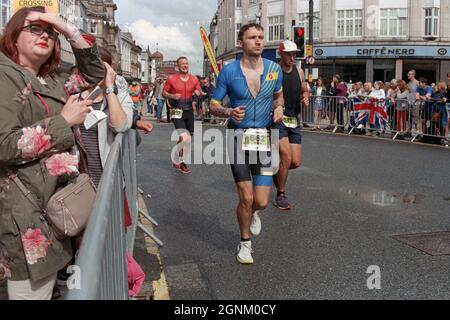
(440, 116)
(401, 108)
(36, 141)
(319, 93)
(413, 84)
(340, 91)
(424, 94)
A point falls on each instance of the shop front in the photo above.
(382, 63)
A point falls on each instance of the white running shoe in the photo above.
(255, 227)
(244, 255)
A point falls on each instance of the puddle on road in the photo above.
(387, 199)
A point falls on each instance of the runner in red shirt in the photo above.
(179, 89)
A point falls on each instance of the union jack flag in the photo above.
(375, 110)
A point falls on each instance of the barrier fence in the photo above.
(426, 121)
(101, 259)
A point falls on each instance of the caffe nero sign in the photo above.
(383, 52)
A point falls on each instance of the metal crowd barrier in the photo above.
(327, 112)
(101, 260)
(427, 118)
(399, 119)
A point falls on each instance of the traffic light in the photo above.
(299, 39)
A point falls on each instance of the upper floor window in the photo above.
(432, 22)
(276, 28)
(303, 21)
(238, 3)
(349, 23)
(393, 22)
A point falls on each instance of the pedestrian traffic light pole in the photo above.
(311, 35)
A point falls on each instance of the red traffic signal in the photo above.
(299, 39)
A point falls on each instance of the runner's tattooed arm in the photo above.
(218, 110)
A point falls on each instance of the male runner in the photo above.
(254, 86)
(179, 89)
(295, 91)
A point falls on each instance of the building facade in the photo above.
(146, 66)
(100, 22)
(363, 40)
(130, 66)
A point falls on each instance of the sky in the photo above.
(172, 24)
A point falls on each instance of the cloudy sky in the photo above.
(172, 24)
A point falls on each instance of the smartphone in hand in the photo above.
(93, 95)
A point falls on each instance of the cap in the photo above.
(288, 46)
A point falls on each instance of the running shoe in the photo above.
(184, 169)
(255, 227)
(282, 202)
(244, 255)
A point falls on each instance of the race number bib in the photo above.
(290, 122)
(176, 113)
(256, 140)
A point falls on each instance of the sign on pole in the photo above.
(209, 51)
(52, 5)
(309, 50)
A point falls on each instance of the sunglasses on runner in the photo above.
(39, 30)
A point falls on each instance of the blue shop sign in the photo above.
(383, 52)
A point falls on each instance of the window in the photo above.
(303, 21)
(432, 22)
(238, 28)
(253, 2)
(94, 27)
(276, 28)
(238, 3)
(5, 13)
(349, 23)
(393, 22)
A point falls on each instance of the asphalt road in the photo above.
(351, 196)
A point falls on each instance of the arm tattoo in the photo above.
(220, 111)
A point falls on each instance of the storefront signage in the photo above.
(386, 52)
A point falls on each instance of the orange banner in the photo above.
(209, 51)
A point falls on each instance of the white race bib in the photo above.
(256, 140)
(290, 122)
(176, 113)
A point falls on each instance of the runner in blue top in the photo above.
(258, 111)
(254, 86)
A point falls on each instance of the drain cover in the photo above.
(434, 244)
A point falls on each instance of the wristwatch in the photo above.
(109, 90)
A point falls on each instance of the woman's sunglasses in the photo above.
(39, 30)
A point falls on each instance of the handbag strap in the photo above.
(26, 192)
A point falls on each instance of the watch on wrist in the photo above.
(109, 90)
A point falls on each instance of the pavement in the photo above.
(351, 196)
